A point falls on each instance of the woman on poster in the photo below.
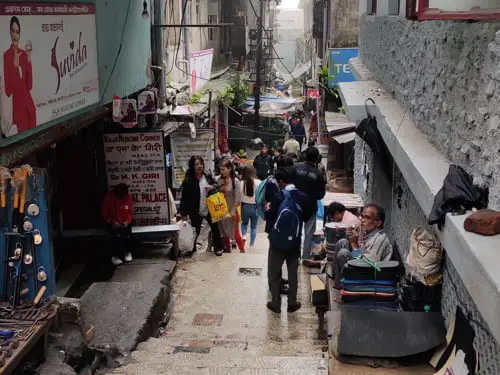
(18, 75)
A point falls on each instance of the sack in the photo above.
(186, 237)
(424, 259)
(217, 207)
(309, 180)
(285, 234)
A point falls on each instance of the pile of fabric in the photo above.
(370, 285)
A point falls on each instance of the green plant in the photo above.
(325, 78)
(235, 94)
(195, 98)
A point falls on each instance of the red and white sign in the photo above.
(138, 160)
(49, 65)
(313, 93)
(201, 69)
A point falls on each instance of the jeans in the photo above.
(274, 274)
(196, 221)
(120, 238)
(309, 229)
(249, 213)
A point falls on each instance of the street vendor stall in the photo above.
(27, 274)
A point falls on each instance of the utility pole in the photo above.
(157, 34)
(258, 66)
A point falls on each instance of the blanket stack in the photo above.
(370, 285)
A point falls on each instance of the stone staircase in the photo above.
(220, 324)
(222, 357)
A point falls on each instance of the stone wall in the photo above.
(448, 76)
(403, 215)
(344, 23)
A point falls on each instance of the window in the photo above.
(371, 7)
(394, 7)
(212, 19)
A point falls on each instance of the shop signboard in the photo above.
(49, 63)
(183, 147)
(338, 66)
(201, 69)
(138, 160)
(313, 93)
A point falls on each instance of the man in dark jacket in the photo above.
(298, 131)
(263, 164)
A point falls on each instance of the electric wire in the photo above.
(178, 40)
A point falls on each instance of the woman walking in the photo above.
(195, 189)
(230, 186)
(248, 204)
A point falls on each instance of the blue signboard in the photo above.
(339, 65)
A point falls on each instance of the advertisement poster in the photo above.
(339, 65)
(138, 160)
(183, 147)
(129, 113)
(49, 62)
(146, 101)
(201, 69)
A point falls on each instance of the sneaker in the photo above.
(116, 261)
(128, 257)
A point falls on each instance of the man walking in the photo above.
(263, 164)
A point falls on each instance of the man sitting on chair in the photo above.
(370, 241)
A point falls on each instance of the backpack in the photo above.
(309, 180)
(260, 197)
(286, 232)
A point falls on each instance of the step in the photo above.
(210, 364)
(166, 369)
(289, 348)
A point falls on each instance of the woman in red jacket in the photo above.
(18, 77)
(117, 213)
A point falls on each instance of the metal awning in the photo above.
(345, 138)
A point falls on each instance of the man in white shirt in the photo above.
(292, 148)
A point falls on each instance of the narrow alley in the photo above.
(220, 323)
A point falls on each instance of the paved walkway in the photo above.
(221, 325)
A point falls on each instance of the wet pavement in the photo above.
(220, 323)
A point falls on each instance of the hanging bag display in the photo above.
(217, 207)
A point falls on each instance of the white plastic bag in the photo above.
(186, 236)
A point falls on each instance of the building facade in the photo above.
(435, 86)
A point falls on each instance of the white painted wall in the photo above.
(464, 5)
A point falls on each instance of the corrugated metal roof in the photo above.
(345, 138)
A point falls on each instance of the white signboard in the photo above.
(49, 65)
(201, 68)
(183, 147)
(138, 160)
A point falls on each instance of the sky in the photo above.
(289, 4)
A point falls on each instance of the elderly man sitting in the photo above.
(371, 241)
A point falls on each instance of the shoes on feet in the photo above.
(293, 308)
(273, 308)
(218, 252)
(128, 257)
(116, 261)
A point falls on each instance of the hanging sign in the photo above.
(201, 69)
(129, 113)
(117, 108)
(338, 66)
(313, 93)
(183, 147)
(138, 160)
(49, 65)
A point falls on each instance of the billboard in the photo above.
(338, 65)
(49, 62)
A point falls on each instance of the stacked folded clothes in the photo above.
(370, 285)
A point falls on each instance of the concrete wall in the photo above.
(344, 23)
(447, 74)
(403, 215)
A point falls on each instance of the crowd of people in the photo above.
(284, 190)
